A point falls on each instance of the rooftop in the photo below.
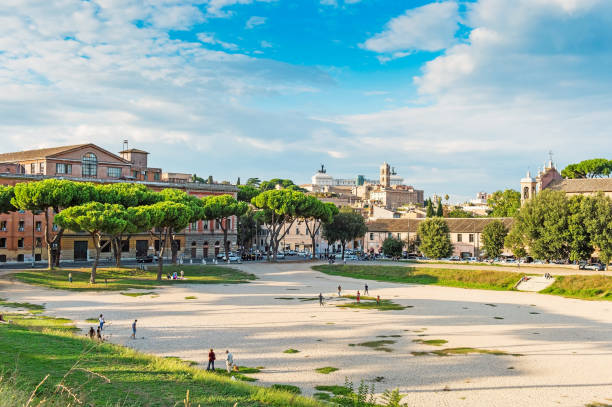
(456, 225)
(39, 153)
(582, 185)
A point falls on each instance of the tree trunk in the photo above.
(173, 248)
(343, 245)
(160, 256)
(116, 246)
(96, 240)
(57, 240)
(48, 241)
(225, 245)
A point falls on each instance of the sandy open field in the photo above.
(566, 344)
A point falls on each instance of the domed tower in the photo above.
(385, 175)
(528, 187)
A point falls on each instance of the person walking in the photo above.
(229, 361)
(99, 334)
(358, 296)
(92, 333)
(134, 329)
(366, 292)
(339, 290)
(378, 300)
(102, 322)
(211, 360)
(321, 299)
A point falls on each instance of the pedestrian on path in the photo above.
(366, 292)
(339, 290)
(229, 361)
(102, 322)
(321, 299)
(358, 296)
(211, 360)
(134, 329)
(99, 334)
(378, 300)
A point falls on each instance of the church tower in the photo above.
(528, 187)
(385, 175)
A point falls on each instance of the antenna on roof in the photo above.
(125, 145)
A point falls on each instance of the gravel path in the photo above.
(566, 344)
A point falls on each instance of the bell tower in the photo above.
(528, 187)
(385, 175)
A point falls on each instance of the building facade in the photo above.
(22, 233)
(465, 233)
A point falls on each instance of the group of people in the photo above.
(175, 276)
(366, 291)
(229, 361)
(97, 333)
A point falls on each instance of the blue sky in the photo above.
(460, 96)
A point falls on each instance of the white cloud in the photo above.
(430, 27)
(266, 44)
(254, 22)
(217, 7)
(210, 39)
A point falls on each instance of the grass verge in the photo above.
(479, 279)
(589, 287)
(367, 303)
(291, 351)
(326, 369)
(33, 347)
(112, 278)
(32, 308)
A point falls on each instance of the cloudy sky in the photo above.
(460, 96)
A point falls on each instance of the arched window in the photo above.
(526, 192)
(89, 165)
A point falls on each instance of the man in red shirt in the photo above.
(211, 361)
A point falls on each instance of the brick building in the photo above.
(22, 233)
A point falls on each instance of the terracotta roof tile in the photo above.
(36, 154)
(582, 185)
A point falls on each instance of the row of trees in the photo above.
(116, 211)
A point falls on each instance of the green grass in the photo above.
(291, 351)
(92, 320)
(587, 287)
(326, 369)
(32, 308)
(137, 294)
(119, 279)
(103, 374)
(385, 305)
(466, 351)
(479, 279)
(432, 342)
(335, 390)
(380, 345)
(288, 388)
(191, 297)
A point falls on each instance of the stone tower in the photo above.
(528, 187)
(385, 175)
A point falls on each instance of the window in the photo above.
(156, 176)
(3, 226)
(3, 242)
(54, 227)
(135, 174)
(125, 246)
(399, 236)
(205, 225)
(217, 224)
(89, 165)
(33, 168)
(389, 234)
(2, 258)
(105, 246)
(38, 242)
(38, 226)
(21, 226)
(371, 236)
(20, 243)
(459, 237)
(20, 258)
(114, 172)
(471, 238)
(144, 175)
(297, 231)
(194, 226)
(41, 166)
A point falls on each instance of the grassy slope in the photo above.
(480, 279)
(110, 375)
(592, 287)
(126, 278)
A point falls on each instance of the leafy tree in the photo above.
(439, 209)
(493, 236)
(514, 241)
(504, 203)
(315, 214)
(196, 212)
(246, 193)
(542, 225)
(278, 211)
(195, 178)
(127, 195)
(580, 246)
(96, 219)
(7, 193)
(254, 182)
(459, 213)
(222, 208)
(247, 229)
(598, 219)
(430, 209)
(446, 197)
(166, 218)
(435, 238)
(52, 195)
(347, 225)
(593, 168)
(283, 183)
(392, 247)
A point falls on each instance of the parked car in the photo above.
(350, 257)
(280, 255)
(591, 266)
(454, 258)
(471, 259)
(234, 259)
(147, 258)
